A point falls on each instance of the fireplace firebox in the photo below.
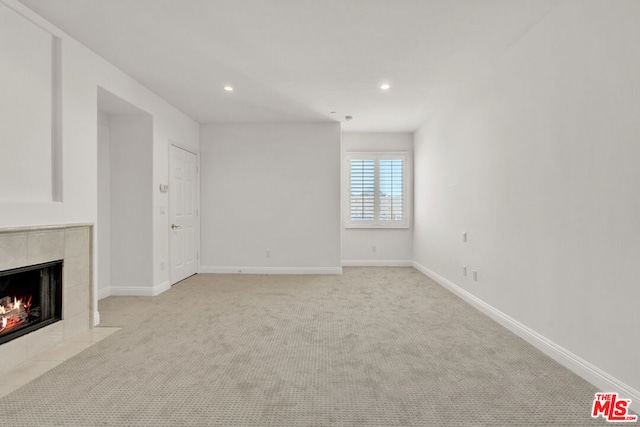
(30, 299)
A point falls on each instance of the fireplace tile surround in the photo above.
(20, 247)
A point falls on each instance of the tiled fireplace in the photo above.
(33, 246)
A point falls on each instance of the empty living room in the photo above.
(319, 212)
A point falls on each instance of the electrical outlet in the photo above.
(475, 275)
(374, 248)
(267, 253)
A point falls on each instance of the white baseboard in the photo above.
(591, 373)
(377, 263)
(103, 293)
(134, 291)
(161, 287)
(270, 270)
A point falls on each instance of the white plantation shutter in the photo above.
(391, 189)
(363, 190)
(377, 190)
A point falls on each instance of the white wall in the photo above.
(25, 110)
(539, 164)
(270, 187)
(104, 204)
(82, 72)
(394, 246)
(131, 141)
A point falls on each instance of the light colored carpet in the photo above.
(373, 347)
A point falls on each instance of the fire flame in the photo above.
(15, 313)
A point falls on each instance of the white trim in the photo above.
(577, 365)
(377, 263)
(133, 291)
(96, 318)
(161, 287)
(191, 150)
(377, 226)
(270, 270)
(136, 291)
(103, 293)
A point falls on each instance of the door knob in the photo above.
(173, 226)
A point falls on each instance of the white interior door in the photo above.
(183, 214)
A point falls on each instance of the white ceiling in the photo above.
(298, 60)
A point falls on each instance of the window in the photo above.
(377, 190)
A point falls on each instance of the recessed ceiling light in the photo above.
(228, 88)
(385, 86)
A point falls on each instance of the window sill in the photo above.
(373, 226)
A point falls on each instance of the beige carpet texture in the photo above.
(371, 347)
